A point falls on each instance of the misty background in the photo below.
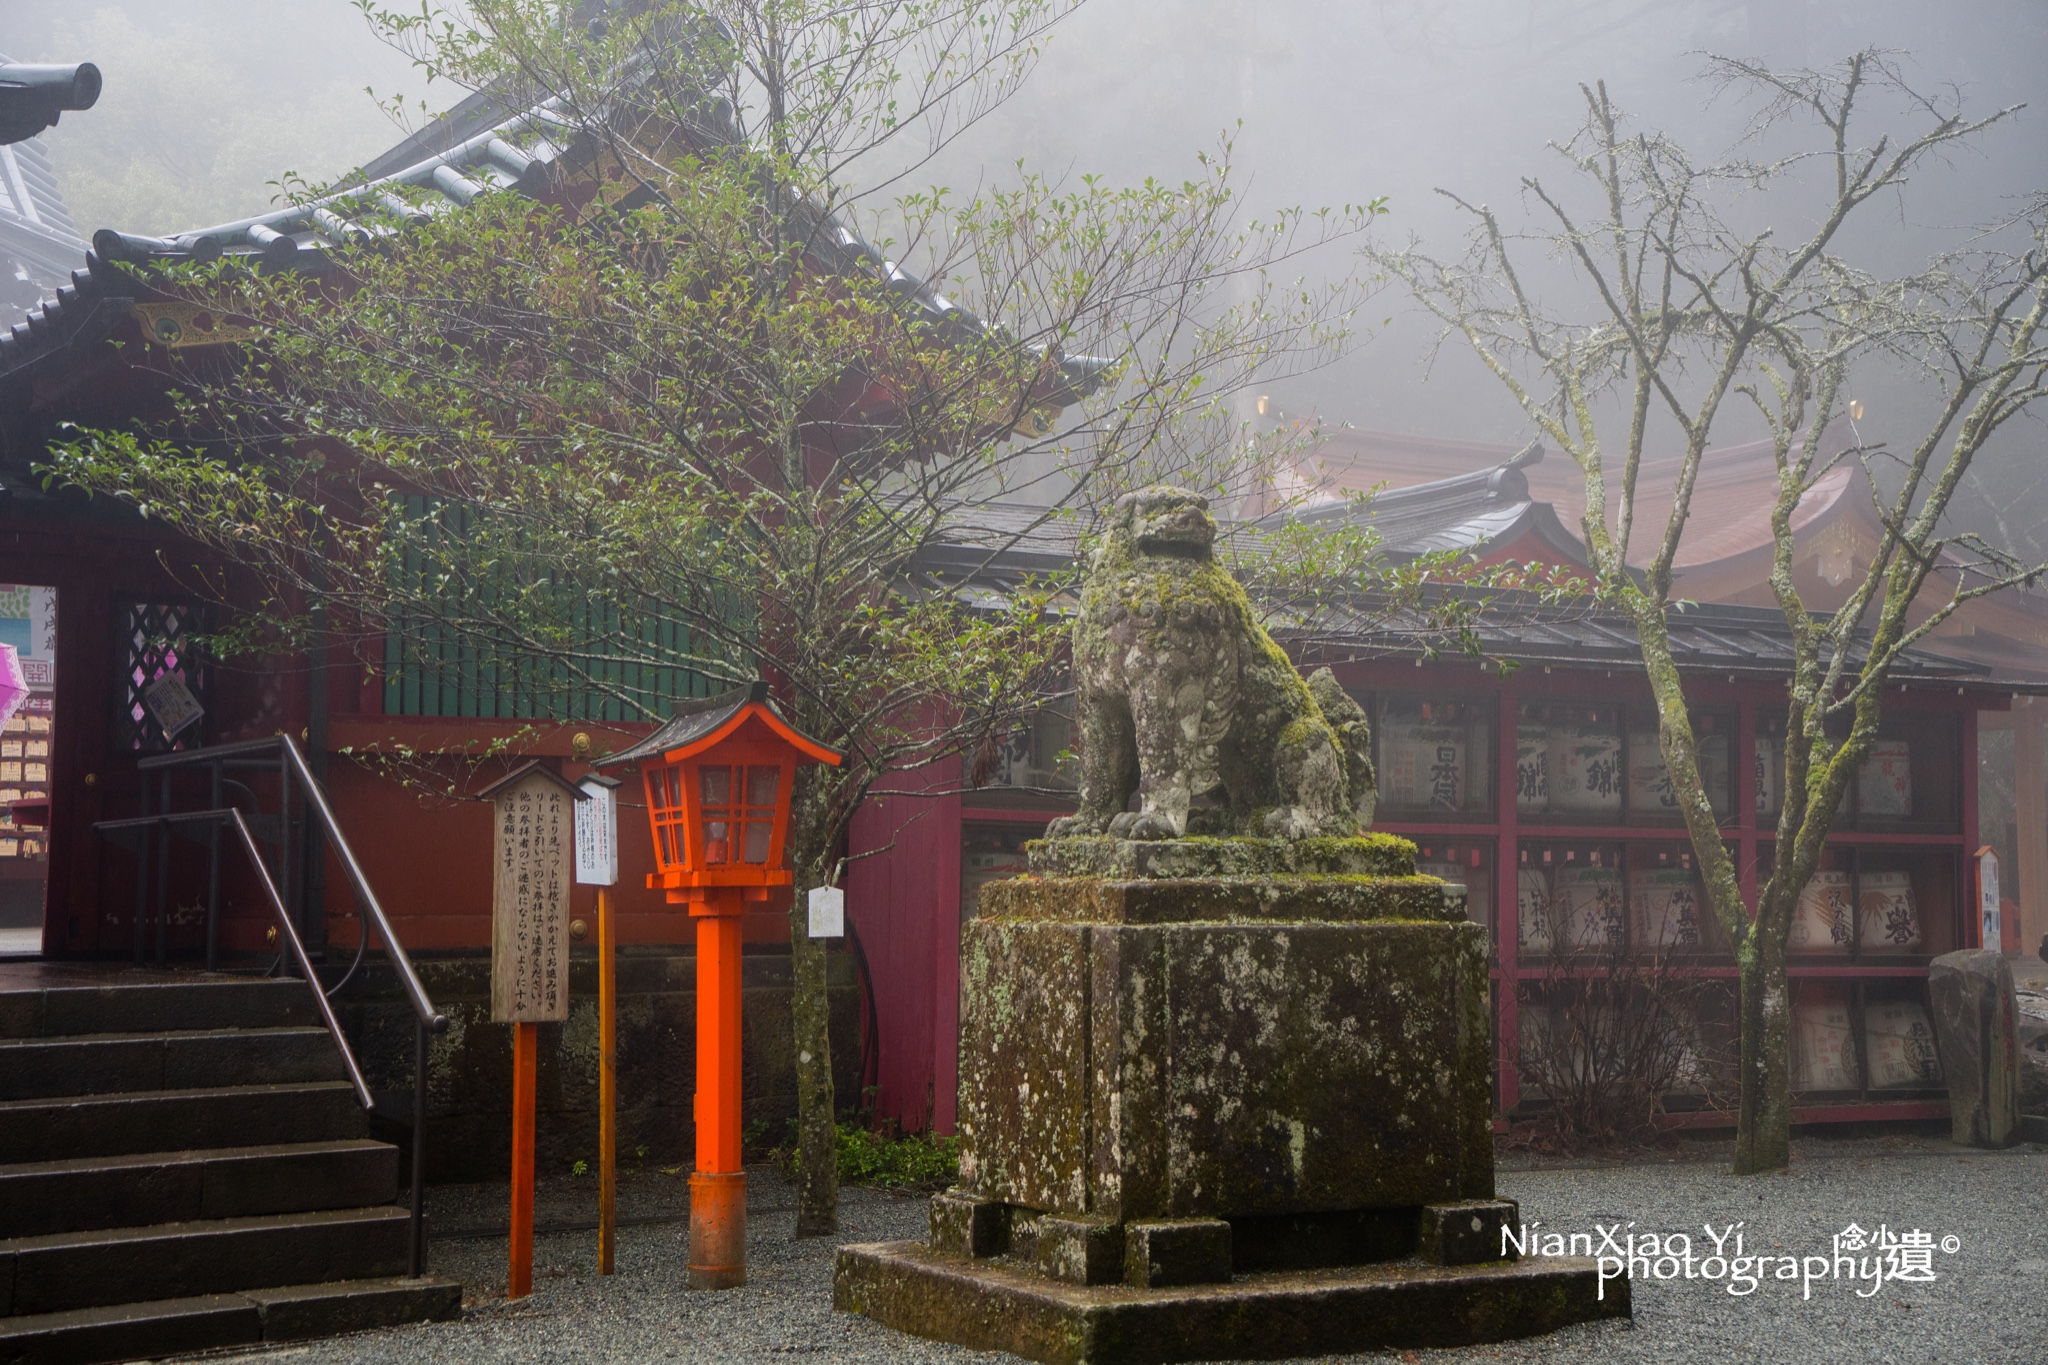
(207, 103)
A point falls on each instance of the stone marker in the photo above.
(1219, 1096)
(1976, 1029)
(2030, 996)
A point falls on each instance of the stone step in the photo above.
(154, 1121)
(60, 1272)
(209, 1322)
(153, 1003)
(1340, 1310)
(107, 1063)
(83, 1193)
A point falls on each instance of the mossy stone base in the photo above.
(1223, 1070)
(1365, 855)
(1468, 1232)
(1177, 1251)
(1337, 899)
(1273, 1315)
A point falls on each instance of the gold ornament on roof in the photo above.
(183, 326)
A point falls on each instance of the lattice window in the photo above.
(152, 639)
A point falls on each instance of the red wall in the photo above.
(903, 896)
(428, 859)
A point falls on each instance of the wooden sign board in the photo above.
(533, 866)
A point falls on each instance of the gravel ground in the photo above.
(1986, 1305)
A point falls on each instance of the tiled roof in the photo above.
(691, 721)
(1730, 509)
(77, 314)
(1745, 642)
(1462, 512)
(515, 154)
(475, 149)
(35, 226)
(1008, 538)
(39, 244)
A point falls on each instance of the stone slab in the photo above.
(2030, 999)
(301, 1312)
(133, 1331)
(1224, 900)
(1317, 1241)
(1366, 855)
(1976, 1032)
(992, 1306)
(166, 1327)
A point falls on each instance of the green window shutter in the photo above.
(433, 669)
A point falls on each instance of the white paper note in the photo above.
(828, 912)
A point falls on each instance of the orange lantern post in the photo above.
(719, 778)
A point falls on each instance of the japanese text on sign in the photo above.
(597, 833)
(530, 903)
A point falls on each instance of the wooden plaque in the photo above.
(533, 866)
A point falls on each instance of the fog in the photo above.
(1332, 102)
(1342, 102)
(208, 103)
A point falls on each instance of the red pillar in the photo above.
(525, 1067)
(718, 1190)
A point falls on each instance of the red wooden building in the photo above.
(1725, 557)
(104, 604)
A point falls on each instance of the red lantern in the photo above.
(719, 778)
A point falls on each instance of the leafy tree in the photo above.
(674, 417)
(1682, 313)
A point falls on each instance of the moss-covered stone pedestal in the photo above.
(1221, 1098)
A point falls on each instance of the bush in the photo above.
(891, 1160)
(917, 1161)
(1607, 1038)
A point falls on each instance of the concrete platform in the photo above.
(990, 1305)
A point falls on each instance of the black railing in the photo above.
(292, 769)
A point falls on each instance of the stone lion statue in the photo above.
(1184, 699)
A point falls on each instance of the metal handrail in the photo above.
(316, 798)
(427, 1020)
(294, 944)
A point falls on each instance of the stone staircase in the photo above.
(183, 1166)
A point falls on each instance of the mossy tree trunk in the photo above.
(816, 834)
(1763, 1134)
(1763, 1071)
(817, 1105)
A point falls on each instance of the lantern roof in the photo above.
(702, 722)
(535, 768)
